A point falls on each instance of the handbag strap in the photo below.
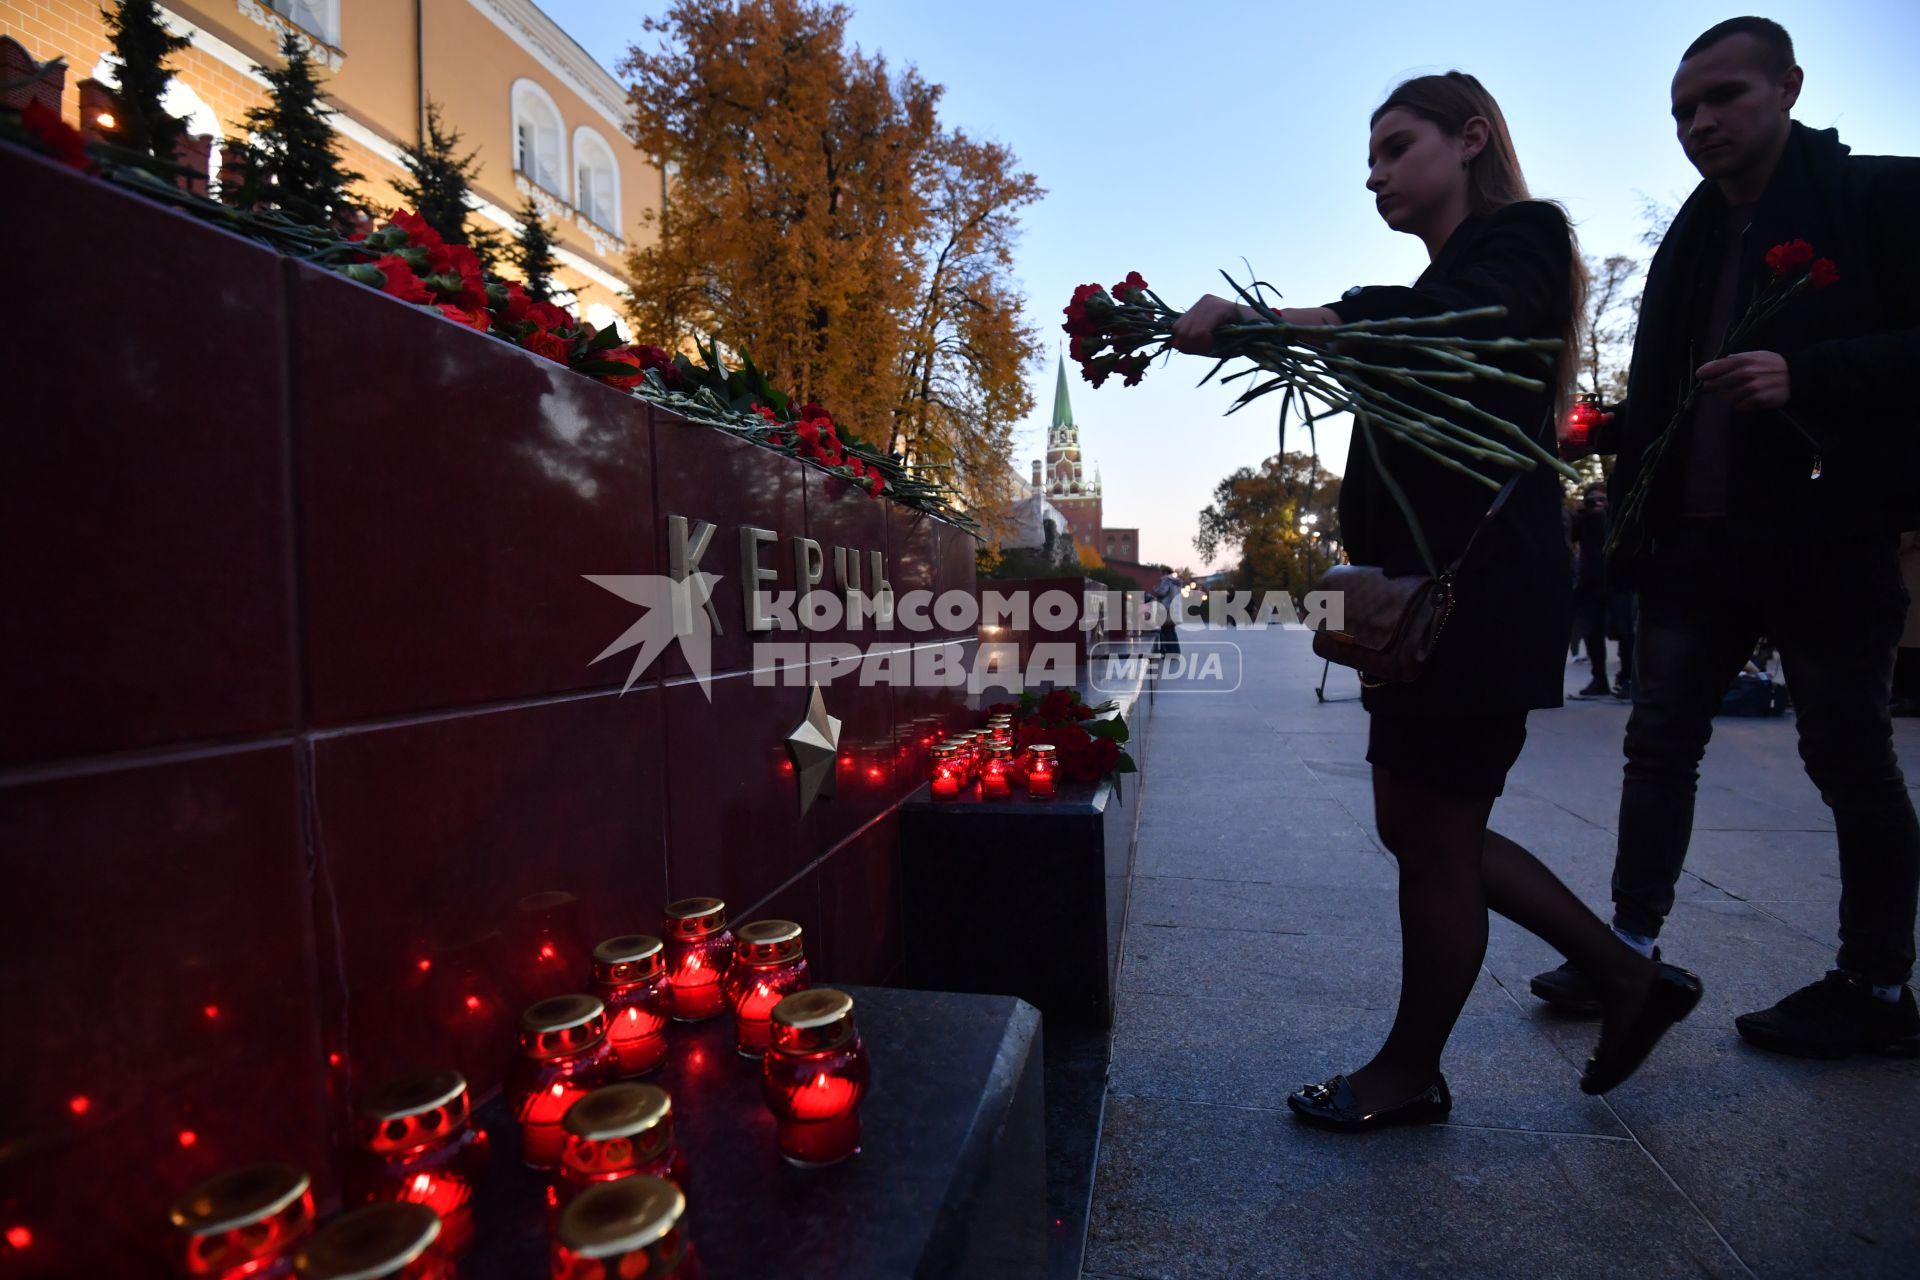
(1493, 510)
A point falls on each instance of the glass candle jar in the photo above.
(963, 757)
(1001, 727)
(698, 950)
(1043, 766)
(619, 1131)
(947, 771)
(631, 1227)
(564, 1055)
(630, 977)
(996, 777)
(417, 1144)
(769, 964)
(377, 1242)
(813, 1077)
(246, 1223)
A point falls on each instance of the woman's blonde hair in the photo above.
(1494, 180)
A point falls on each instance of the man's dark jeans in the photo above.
(1834, 609)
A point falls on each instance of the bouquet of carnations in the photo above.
(1088, 739)
(1399, 376)
(1795, 271)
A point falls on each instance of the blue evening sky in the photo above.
(1176, 139)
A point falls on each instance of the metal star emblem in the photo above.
(815, 744)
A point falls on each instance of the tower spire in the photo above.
(1062, 407)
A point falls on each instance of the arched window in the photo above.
(596, 180)
(539, 138)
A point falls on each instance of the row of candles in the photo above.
(616, 1197)
(983, 762)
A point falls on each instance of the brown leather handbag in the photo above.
(1392, 625)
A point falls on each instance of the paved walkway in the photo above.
(1262, 952)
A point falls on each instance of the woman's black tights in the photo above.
(1452, 869)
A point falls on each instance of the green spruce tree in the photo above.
(439, 180)
(532, 253)
(142, 44)
(291, 162)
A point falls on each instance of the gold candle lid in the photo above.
(809, 1021)
(369, 1243)
(408, 1113)
(616, 1218)
(1043, 748)
(695, 917)
(945, 749)
(633, 957)
(767, 942)
(238, 1198)
(624, 1110)
(1001, 751)
(560, 1025)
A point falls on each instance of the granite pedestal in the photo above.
(950, 1180)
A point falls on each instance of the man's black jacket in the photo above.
(1852, 350)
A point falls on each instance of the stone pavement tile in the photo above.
(1233, 781)
(1218, 1192)
(1818, 921)
(1502, 1072)
(1746, 960)
(1313, 840)
(1281, 906)
(1807, 1168)
(1775, 865)
(1345, 972)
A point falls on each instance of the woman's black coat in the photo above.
(1504, 649)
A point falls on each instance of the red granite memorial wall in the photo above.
(307, 774)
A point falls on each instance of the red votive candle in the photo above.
(963, 757)
(948, 771)
(377, 1242)
(418, 1145)
(630, 977)
(1001, 727)
(621, 1230)
(769, 964)
(246, 1223)
(1042, 765)
(619, 1131)
(564, 1055)
(698, 950)
(813, 1077)
(996, 780)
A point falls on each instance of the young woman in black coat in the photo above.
(1442, 167)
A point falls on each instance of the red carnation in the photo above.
(419, 234)
(1823, 273)
(766, 413)
(1054, 706)
(658, 360)
(472, 317)
(812, 410)
(401, 282)
(548, 316)
(514, 309)
(627, 356)
(1133, 368)
(550, 345)
(1789, 257)
(1131, 285)
(1086, 298)
(69, 147)
(875, 483)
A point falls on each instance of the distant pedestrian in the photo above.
(1167, 596)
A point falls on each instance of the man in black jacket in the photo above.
(1590, 601)
(1776, 509)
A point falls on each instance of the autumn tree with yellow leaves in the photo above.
(819, 217)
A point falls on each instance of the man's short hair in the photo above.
(1772, 36)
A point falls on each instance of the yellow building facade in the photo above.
(546, 120)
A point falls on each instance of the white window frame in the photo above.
(587, 142)
(328, 16)
(527, 92)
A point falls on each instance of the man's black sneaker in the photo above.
(1623, 689)
(1595, 689)
(1570, 990)
(1834, 1018)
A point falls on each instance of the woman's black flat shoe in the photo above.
(1331, 1106)
(1671, 998)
